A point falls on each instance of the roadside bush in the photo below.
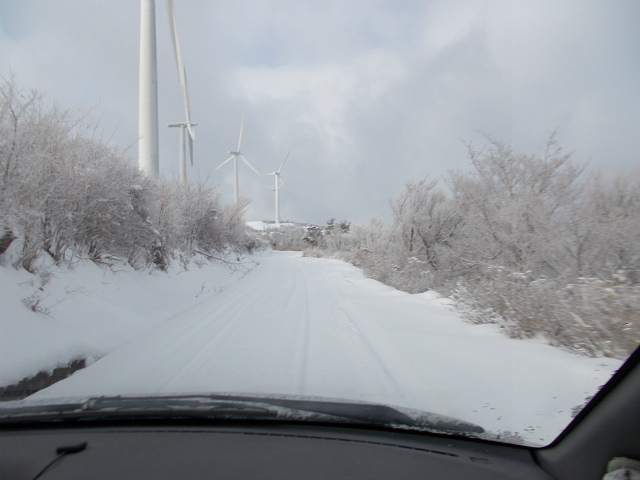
(590, 316)
(523, 241)
(288, 237)
(65, 194)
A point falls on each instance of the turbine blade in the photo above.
(176, 43)
(240, 137)
(190, 148)
(285, 161)
(184, 144)
(225, 162)
(249, 165)
(187, 107)
(182, 71)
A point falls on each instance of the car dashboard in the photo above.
(265, 450)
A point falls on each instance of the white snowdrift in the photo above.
(91, 310)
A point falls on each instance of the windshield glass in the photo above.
(414, 215)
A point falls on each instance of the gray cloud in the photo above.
(367, 95)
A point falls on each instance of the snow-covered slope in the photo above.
(89, 310)
(317, 327)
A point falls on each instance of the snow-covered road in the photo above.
(317, 327)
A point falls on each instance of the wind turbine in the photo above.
(148, 158)
(278, 183)
(234, 156)
(186, 127)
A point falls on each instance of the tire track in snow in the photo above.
(283, 329)
(264, 319)
(207, 346)
(237, 328)
(295, 291)
(368, 353)
(304, 333)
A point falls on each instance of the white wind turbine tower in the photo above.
(234, 156)
(148, 92)
(278, 183)
(186, 127)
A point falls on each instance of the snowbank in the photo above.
(91, 310)
(261, 226)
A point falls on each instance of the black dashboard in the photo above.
(259, 451)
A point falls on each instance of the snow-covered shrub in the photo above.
(288, 237)
(425, 223)
(232, 224)
(590, 316)
(531, 236)
(521, 240)
(608, 241)
(336, 238)
(202, 226)
(64, 193)
(515, 207)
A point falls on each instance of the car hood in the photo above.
(226, 407)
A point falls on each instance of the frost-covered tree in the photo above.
(522, 240)
(546, 253)
(65, 193)
(313, 235)
(611, 211)
(334, 237)
(288, 237)
(515, 206)
(426, 223)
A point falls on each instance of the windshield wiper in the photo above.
(169, 407)
(230, 407)
(370, 414)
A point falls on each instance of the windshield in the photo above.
(412, 215)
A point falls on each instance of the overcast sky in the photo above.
(365, 94)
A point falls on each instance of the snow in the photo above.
(92, 310)
(257, 225)
(261, 226)
(293, 326)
